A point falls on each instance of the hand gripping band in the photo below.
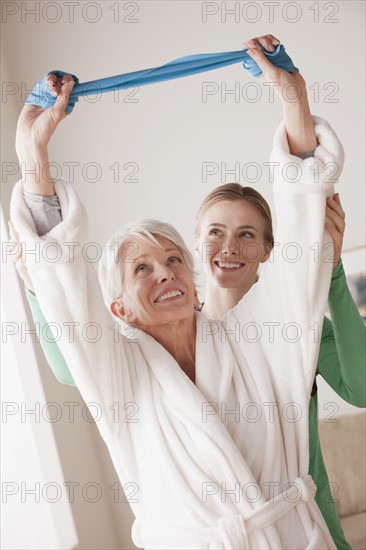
(178, 68)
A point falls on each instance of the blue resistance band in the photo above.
(178, 68)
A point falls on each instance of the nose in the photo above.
(165, 274)
(230, 246)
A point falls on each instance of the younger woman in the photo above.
(233, 238)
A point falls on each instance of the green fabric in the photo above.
(341, 363)
(54, 357)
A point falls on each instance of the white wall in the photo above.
(169, 132)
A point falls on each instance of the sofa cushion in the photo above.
(343, 446)
(354, 528)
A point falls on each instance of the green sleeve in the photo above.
(50, 348)
(342, 355)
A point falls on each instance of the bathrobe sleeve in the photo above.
(288, 302)
(70, 297)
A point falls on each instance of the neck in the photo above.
(220, 300)
(180, 341)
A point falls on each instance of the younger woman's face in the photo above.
(231, 243)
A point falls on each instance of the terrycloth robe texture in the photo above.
(221, 464)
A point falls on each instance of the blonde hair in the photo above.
(236, 192)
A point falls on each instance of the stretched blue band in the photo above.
(178, 68)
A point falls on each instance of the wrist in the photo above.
(299, 126)
(297, 103)
(35, 170)
(337, 268)
(293, 89)
(28, 151)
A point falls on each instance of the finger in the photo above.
(267, 45)
(263, 62)
(337, 240)
(275, 41)
(52, 83)
(51, 78)
(331, 228)
(336, 206)
(336, 219)
(268, 42)
(66, 86)
(56, 84)
(252, 43)
(67, 79)
(337, 199)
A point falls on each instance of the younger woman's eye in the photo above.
(215, 232)
(246, 234)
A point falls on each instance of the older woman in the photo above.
(219, 449)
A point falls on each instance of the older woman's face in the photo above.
(231, 243)
(159, 288)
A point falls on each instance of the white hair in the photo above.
(148, 230)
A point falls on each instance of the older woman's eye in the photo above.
(175, 260)
(246, 234)
(141, 269)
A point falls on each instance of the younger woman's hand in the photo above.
(337, 226)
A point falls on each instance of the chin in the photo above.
(176, 314)
(228, 282)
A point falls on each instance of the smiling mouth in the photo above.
(169, 296)
(229, 266)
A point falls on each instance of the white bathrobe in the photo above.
(223, 463)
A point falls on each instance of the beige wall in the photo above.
(167, 132)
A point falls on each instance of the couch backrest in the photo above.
(343, 445)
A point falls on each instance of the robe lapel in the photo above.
(186, 402)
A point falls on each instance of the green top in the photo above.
(341, 363)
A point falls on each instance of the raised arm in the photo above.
(50, 347)
(342, 355)
(68, 291)
(291, 89)
(307, 160)
(34, 131)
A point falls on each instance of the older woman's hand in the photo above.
(35, 128)
(337, 216)
(288, 86)
(35, 124)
